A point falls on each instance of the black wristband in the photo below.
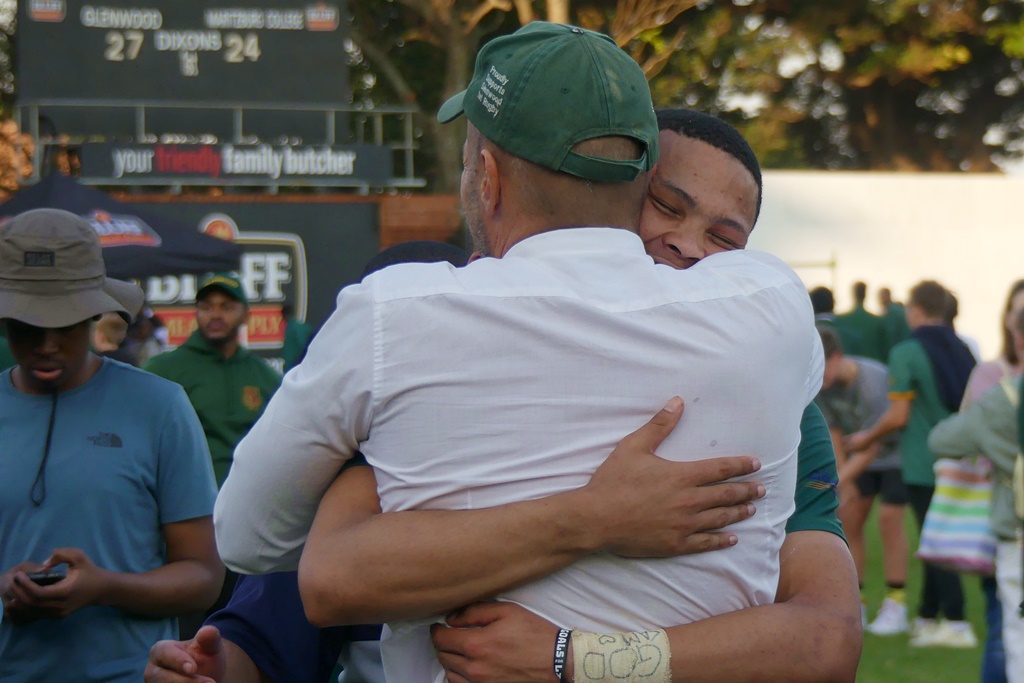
(561, 652)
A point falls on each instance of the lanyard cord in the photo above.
(40, 482)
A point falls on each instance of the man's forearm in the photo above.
(811, 634)
(521, 542)
(892, 420)
(857, 463)
(173, 589)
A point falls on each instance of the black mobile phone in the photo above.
(47, 578)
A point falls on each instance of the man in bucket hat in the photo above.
(513, 378)
(106, 487)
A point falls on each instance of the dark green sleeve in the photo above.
(816, 478)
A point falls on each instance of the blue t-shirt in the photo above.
(127, 456)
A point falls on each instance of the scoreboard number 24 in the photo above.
(124, 46)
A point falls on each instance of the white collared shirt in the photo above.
(512, 379)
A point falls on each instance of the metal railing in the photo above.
(367, 126)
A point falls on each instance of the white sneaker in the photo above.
(890, 620)
(922, 629)
(957, 634)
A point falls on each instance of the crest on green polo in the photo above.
(547, 87)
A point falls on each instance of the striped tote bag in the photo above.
(957, 534)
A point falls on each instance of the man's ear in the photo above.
(490, 183)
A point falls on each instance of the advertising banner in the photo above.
(300, 254)
(224, 163)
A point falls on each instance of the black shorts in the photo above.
(888, 483)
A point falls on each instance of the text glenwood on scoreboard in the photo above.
(268, 51)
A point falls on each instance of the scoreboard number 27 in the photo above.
(126, 45)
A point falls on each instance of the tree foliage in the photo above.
(424, 49)
(907, 85)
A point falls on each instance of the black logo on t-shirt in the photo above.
(105, 440)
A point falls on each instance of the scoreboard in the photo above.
(178, 51)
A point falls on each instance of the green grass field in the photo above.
(891, 659)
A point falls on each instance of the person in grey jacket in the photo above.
(989, 426)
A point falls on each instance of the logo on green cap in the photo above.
(542, 90)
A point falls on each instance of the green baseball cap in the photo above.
(225, 282)
(547, 87)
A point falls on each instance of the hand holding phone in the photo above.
(47, 578)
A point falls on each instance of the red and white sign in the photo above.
(46, 10)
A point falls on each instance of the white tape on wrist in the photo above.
(637, 657)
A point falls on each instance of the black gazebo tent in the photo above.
(136, 244)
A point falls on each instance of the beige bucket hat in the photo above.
(52, 272)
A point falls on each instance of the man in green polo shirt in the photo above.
(894, 317)
(927, 377)
(874, 341)
(228, 385)
(824, 316)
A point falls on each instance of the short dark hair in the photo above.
(822, 300)
(932, 298)
(1009, 352)
(416, 251)
(952, 308)
(860, 292)
(829, 341)
(717, 133)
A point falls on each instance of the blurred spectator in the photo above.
(108, 336)
(824, 305)
(874, 341)
(952, 310)
(112, 478)
(142, 340)
(297, 335)
(927, 378)
(895, 318)
(988, 425)
(160, 331)
(853, 396)
(985, 377)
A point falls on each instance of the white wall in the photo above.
(894, 230)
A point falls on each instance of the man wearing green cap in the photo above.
(105, 478)
(229, 386)
(514, 377)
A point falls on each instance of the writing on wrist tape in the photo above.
(637, 657)
(562, 641)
